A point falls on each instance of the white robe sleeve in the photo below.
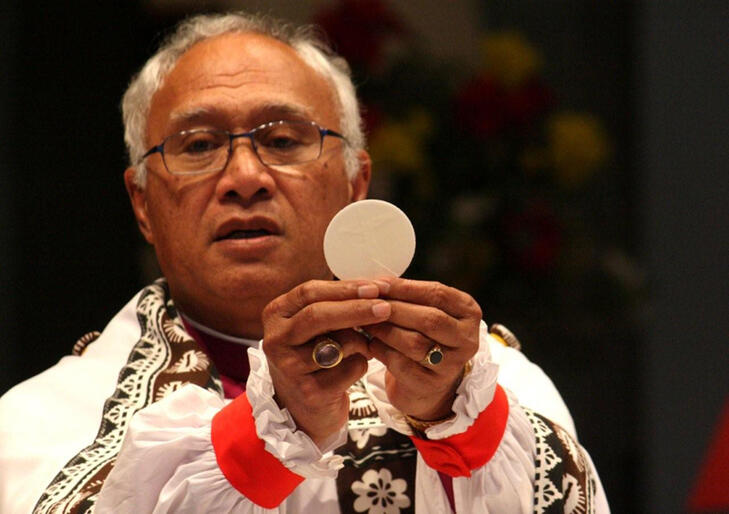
(168, 463)
(47, 419)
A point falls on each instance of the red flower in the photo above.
(480, 107)
(532, 238)
(487, 109)
(358, 29)
(526, 103)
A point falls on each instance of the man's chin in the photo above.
(255, 281)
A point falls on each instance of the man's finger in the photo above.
(322, 317)
(411, 343)
(350, 341)
(448, 299)
(431, 322)
(314, 291)
(342, 376)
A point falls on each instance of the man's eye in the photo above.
(200, 145)
(281, 143)
(281, 140)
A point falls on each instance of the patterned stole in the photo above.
(379, 463)
(164, 359)
(563, 482)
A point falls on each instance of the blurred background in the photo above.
(565, 162)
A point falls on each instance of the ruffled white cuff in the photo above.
(275, 426)
(472, 396)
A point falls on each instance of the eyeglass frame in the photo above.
(323, 132)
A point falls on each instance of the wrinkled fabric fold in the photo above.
(174, 434)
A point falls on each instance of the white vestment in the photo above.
(167, 462)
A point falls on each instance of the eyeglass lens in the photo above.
(277, 143)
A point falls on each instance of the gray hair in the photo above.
(305, 40)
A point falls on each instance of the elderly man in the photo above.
(245, 140)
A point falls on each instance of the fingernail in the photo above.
(368, 291)
(381, 309)
(384, 286)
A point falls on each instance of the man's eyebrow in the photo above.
(284, 109)
(192, 115)
(259, 114)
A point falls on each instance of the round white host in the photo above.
(369, 239)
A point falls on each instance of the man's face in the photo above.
(232, 241)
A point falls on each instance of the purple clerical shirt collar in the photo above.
(228, 353)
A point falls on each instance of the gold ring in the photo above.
(434, 355)
(327, 353)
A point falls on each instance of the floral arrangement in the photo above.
(496, 175)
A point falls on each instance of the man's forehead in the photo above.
(242, 79)
(266, 111)
(232, 54)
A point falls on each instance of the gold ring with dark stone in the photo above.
(434, 355)
(327, 353)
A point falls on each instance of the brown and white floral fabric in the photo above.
(378, 476)
(164, 359)
(563, 481)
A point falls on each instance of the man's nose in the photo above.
(245, 176)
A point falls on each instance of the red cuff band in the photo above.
(457, 455)
(243, 459)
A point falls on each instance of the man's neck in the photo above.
(205, 330)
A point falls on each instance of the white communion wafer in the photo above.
(369, 239)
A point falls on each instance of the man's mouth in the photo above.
(256, 227)
(245, 234)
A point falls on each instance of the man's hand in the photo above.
(317, 398)
(423, 314)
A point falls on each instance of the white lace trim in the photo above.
(275, 426)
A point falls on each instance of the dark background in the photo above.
(644, 402)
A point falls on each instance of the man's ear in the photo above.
(360, 184)
(138, 198)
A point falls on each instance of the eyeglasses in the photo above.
(277, 143)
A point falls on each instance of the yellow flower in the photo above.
(510, 58)
(577, 146)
